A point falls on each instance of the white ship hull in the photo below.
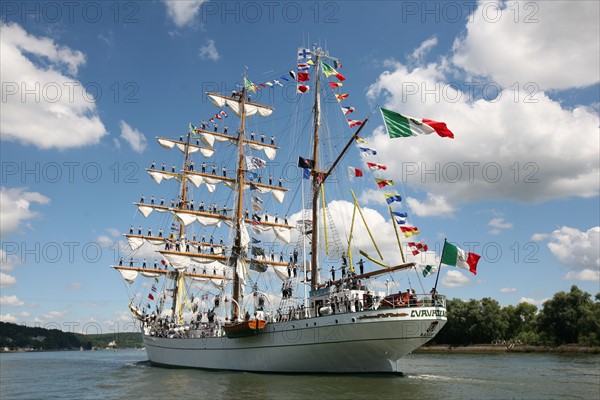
(360, 342)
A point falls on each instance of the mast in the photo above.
(316, 177)
(237, 247)
(181, 206)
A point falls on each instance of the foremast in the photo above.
(236, 254)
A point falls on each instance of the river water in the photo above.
(125, 374)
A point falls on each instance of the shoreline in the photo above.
(507, 348)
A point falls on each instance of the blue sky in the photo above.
(520, 90)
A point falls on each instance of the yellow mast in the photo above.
(397, 236)
(365, 222)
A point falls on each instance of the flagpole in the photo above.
(439, 267)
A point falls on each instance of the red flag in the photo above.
(354, 122)
(417, 247)
(217, 116)
(150, 296)
(303, 88)
(223, 114)
(439, 127)
(303, 77)
(341, 97)
(355, 172)
(335, 84)
(374, 166)
(383, 183)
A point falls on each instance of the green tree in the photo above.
(569, 318)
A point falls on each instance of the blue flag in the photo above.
(306, 173)
(400, 217)
(392, 197)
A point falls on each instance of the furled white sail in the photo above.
(278, 194)
(185, 218)
(158, 176)
(208, 221)
(234, 105)
(149, 274)
(135, 242)
(209, 262)
(145, 210)
(128, 275)
(166, 143)
(280, 271)
(269, 151)
(178, 262)
(245, 238)
(211, 183)
(282, 233)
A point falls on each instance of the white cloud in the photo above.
(7, 280)
(8, 262)
(15, 209)
(577, 250)
(68, 112)
(553, 44)
(209, 51)
(434, 205)
(114, 231)
(454, 279)
(53, 315)
(183, 12)
(8, 318)
(499, 223)
(508, 290)
(585, 275)
(135, 138)
(504, 148)
(532, 301)
(423, 49)
(75, 286)
(10, 301)
(105, 241)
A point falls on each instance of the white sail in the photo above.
(209, 262)
(245, 238)
(166, 143)
(135, 242)
(250, 109)
(128, 275)
(208, 221)
(149, 274)
(158, 176)
(145, 210)
(185, 218)
(178, 262)
(282, 233)
(281, 272)
(278, 194)
(269, 151)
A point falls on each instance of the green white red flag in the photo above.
(399, 125)
(457, 257)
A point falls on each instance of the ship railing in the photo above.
(404, 300)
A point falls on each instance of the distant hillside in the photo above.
(15, 337)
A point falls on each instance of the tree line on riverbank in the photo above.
(569, 317)
(22, 337)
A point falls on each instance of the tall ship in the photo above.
(248, 267)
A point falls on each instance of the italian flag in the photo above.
(398, 125)
(457, 257)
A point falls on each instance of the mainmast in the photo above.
(181, 205)
(316, 183)
(237, 246)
